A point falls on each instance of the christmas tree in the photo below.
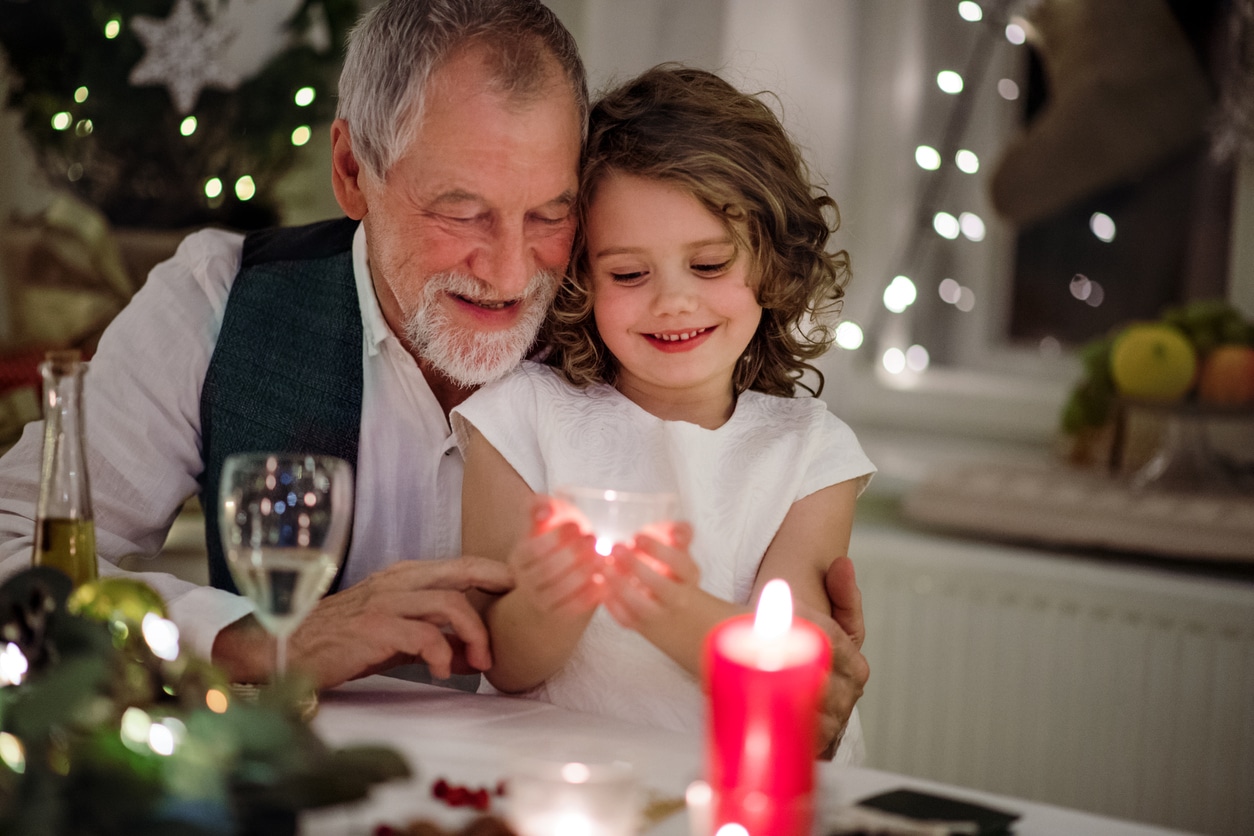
(173, 113)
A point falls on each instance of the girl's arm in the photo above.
(657, 595)
(534, 628)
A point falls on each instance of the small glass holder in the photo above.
(617, 516)
(572, 798)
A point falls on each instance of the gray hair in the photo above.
(396, 47)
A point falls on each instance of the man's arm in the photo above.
(142, 418)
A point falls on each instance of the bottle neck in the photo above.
(64, 490)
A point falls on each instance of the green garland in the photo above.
(122, 147)
(99, 735)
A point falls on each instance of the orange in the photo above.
(1227, 376)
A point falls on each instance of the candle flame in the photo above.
(774, 616)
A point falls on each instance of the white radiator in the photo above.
(1116, 687)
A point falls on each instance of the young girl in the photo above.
(700, 288)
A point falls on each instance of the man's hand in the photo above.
(849, 674)
(396, 616)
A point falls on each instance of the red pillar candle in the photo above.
(764, 678)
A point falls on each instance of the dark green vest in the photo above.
(286, 372)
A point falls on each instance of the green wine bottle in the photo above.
(65, 535)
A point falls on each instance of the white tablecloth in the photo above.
(470, 740)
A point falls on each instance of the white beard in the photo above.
(465, 356)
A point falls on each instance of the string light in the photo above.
(304, 96)
(1016, 34)
(113, 28)
(301, 135)
(967, 161)
(894, 361)
(928, 158)
(213, 187)
(917, 358)
(900, 294)
(849, 335)
(972, 226)
(946, 225)
(1103, 226)
(12, 752)
(74, 172)
(971, 11)
(1008, 89)
(188, 126)
(83, 127)
(80, 95)
(61, 121)
(949, 81)
(245, 188)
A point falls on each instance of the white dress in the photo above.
(735, 484)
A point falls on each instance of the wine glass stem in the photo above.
(280, 657)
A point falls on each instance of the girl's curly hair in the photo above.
(691, 128)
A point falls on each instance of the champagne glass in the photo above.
(616, 516)
(285, 520)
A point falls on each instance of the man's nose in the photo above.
(506, 263)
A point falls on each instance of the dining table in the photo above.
(456, 739)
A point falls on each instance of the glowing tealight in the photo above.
(245, 188)
(188, 126)
(13, 665)
(972, 226)
(61, 121)
(80, 95)
(849, 335)
(604, 545)
(1103, 226)
(927, 157)
(949, 81)
(967, 161)
(301, 135)
(894, 361)
(946, 225)
(162, 636)
(213, 187)
(969, 10)
(774, 614)
(113, 28)
(732, 829)
(304, 96)
(576, 773)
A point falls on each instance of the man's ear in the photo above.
(346, 174)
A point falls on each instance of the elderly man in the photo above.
(455, 157)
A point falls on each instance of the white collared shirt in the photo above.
(142, 404)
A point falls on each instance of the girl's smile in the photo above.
(672, 297)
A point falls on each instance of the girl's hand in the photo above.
(557, 567)
(654, 579)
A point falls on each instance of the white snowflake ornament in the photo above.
(184, 53)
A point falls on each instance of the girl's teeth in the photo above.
(686, 335)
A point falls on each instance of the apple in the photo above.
(1227, 376)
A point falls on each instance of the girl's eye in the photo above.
(628, 278)
(710, 269)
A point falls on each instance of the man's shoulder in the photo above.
(293, 243)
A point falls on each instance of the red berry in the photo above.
(458, 796)
(479, 799)
(440, 789)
